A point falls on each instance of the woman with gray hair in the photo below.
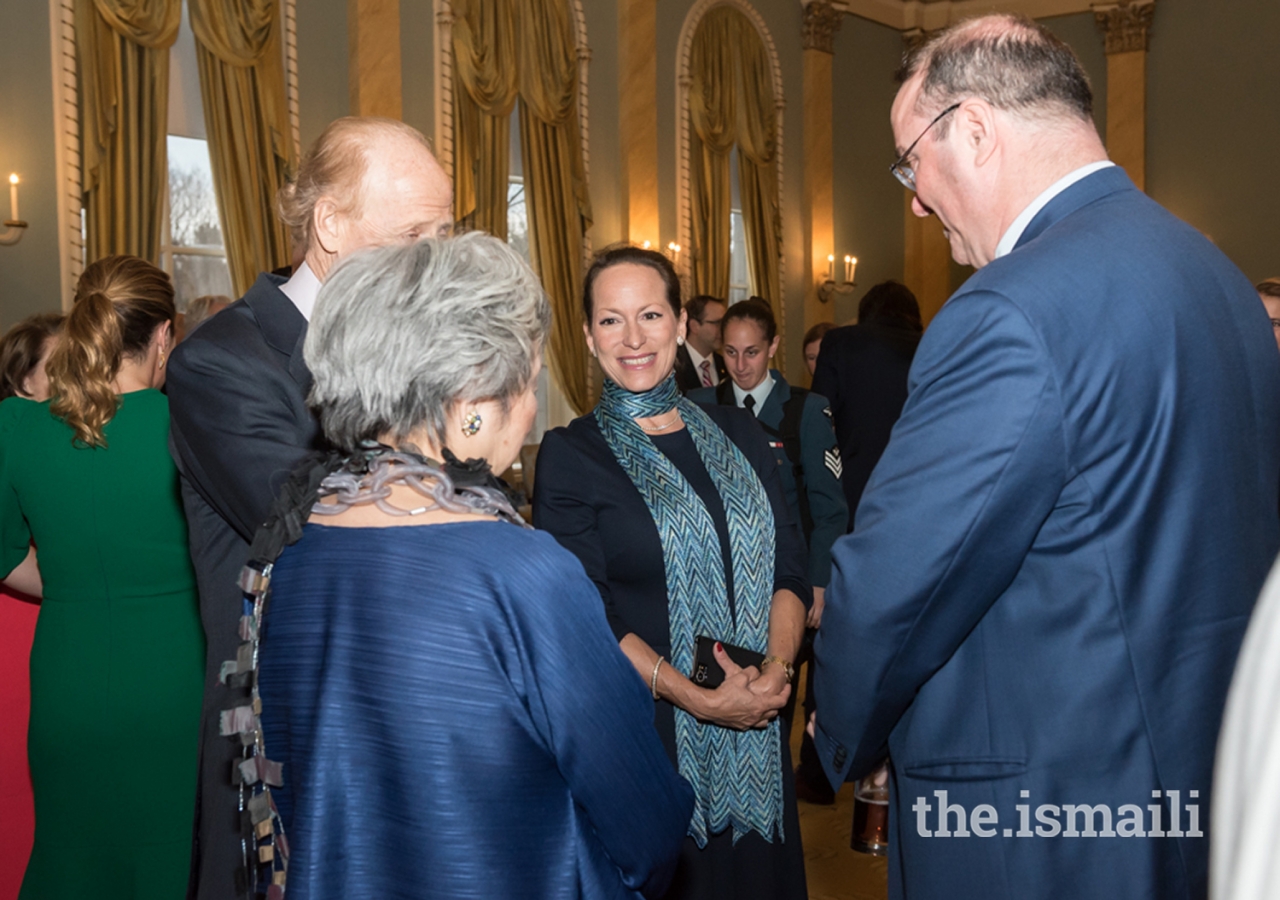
(439, 682)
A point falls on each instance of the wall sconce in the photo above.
(673, 253)
(13, 226)
(828, 288)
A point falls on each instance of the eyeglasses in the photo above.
(905, 173)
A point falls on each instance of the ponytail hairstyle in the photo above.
(120, 301)
(753, 309)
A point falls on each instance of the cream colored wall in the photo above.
(1213, 125)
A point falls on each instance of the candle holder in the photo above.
(13, 231)
(829, 288)
(13, 226)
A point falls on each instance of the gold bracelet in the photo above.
(786, 666)
(653, 682)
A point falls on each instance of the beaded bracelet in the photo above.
(653, 681)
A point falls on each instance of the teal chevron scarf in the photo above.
(736, 775)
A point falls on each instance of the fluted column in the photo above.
(1126, 28)
(821, 22)
(638, 117)
(373, 57)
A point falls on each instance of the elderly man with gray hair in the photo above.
(419, 635)
(1053, 563)
(240, 422)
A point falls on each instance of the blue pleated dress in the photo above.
(456, 720)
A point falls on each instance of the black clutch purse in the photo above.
(707, 672)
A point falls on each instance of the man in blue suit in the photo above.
(1054, 562)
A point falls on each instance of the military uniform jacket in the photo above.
(819, 462)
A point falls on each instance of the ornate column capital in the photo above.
(821, 22)
(1125, 26)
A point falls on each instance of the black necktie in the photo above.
(750, 403)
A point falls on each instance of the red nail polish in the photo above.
(719, 646)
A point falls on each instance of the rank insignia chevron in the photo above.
(831, 458)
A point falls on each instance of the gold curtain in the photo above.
(731, 101)
(555, 181)
(123, 49)
(758, 166)
(484, 90)
(504, 49)
(713, 115)
(246, 115)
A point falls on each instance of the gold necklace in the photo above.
(654, 429)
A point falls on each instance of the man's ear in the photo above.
(976, 119)
(326, 224)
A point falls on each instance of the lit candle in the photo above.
(831, 267)
(645, 245)
(13, 197)
(851, 269)
(675, 252)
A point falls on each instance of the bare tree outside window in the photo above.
(194, 253)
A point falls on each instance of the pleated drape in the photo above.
(731, 101)
(247, 119)
(123, 55)
(555, 181)
(526, 48)
(484, 89)
(713, 115)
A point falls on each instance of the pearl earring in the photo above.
(471, 424)
(679, 340)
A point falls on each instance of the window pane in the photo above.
(195, 276)
(193, 209)
(517, 218)
(739, 278)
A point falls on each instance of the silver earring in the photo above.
(679, 340)
(471, 424)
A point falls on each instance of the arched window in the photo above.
(729, 151)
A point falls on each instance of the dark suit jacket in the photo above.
(239, 424)
(862, 371)
(1055, 560)
(687, 377)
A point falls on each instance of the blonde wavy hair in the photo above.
(119, 302)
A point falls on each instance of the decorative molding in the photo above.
(66, 90)
(821, 22)
(1125, 27)
(289, 15)
(684, 80)
(442, 85)
(930, 15)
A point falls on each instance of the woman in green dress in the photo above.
(117, 664)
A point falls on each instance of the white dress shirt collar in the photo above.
(1014, 232)
(698, 360)
(302, 289)
(760, 392)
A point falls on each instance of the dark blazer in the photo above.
(1055, 560)
(239, 424)
(819, 465)
(687, 377)
(862, 371)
